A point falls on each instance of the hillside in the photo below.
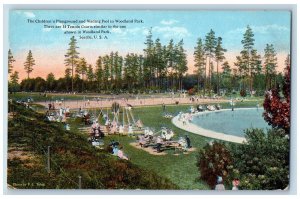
(71, 156)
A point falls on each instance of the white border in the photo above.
(220, 5)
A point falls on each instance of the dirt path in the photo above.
(89, 104)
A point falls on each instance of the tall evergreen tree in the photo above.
(29, 63)
(71, 57)
(106, 74)
(140, 70)
(199, 59)
(158, 62)
(255, 67)
(112, 69)
(99, 73)
(81, 69)
(14, 78)
(14, 81)
(226, 81)
(90, 73)
(10, 61)
(149, 61)
(209, 47)
(270, 64)
(219, 53)
(245, 62)
(181, 63)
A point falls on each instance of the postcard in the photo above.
(149, 99)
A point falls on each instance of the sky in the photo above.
(49, 45)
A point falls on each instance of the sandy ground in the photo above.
(190, 127)
(88, 104)
(153, 151)
(147, 149)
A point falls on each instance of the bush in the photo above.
(263, 162)
(243, 93)
(192, 91)
(214, 160)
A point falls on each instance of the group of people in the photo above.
(114, 127)
(148, 138)
(220, 185)
(96, 131)
(185, 117)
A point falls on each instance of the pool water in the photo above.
(231, 122)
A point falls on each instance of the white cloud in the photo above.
(172, 32)
(260, 29)
(29, 14)
(168, 22)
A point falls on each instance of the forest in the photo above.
(161, 68)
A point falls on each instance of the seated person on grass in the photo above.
(121, 154)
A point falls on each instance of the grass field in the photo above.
(181, 169)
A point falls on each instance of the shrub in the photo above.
(214, 160)
(243, 93)
(192, 91)
(262, 162)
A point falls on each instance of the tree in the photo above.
(106, 71)
(270, 64)
(10, 61)
(226, 81)
(71, 57)
(112, 69)
(14, 81)
(90, 76)
(149, 60)
(50, 81)
(219, 52)
(199, 59)
(81, 69)
(29, 63)
(118, 64)
(255, 67)
(99, 72)
(171, 54)
(277, 108)
(209, 47)
(248, 59)
(159, 62)
(181, 65)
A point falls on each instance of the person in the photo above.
(130, 130)
(184, 119)
(121, 154)
(188, 141)
(121, 129)
(49, 106)
(158, 144)
(60, 112)
(220, 186)
(235, 184)
(67, 127)
(115, 150)
(164, 107)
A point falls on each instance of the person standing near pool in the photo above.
(164, 107)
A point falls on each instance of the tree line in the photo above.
(161, 68)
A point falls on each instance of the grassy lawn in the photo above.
(39, 97)
(181, 169)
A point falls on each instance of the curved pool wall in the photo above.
(224, 124)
